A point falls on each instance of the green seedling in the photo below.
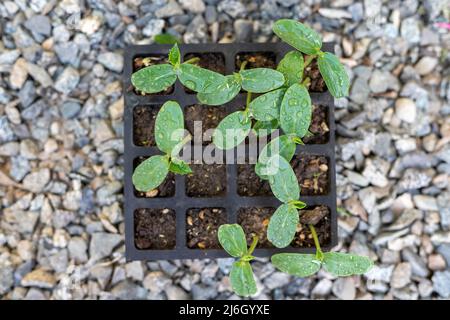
(169, 136)
(166, 38)
(232, 239)
(157, 78)
(336, 263)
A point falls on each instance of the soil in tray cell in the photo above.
(317, 83)
(142, 62)
(256, 60)
(249, 184)
(154, 229)
(207, 118)
(312, 174)
(319, 126)
(318, 216)
(144, 125)
(255, 221)
(214, 61)
(202, 226)
(206, 180)
(165, 189)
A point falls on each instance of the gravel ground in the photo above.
(61, 222)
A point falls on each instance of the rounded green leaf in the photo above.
(334, 74)
(260, 80)
(232, 239)
(232, 130)
(282, 145)
(174, 55)
(296, 111)
(282, 179)
(166, 38)
(198, 79)
(154, 78)
(264, 128)
(266, 107)
(346, 264)
(169, 125)
(298, 35)
(291, 66)
(222, 93)
(150, 173)
(282, 226)
(242, 280)
(179, 166)
(300, 265)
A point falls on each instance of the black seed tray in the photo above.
(230, 201)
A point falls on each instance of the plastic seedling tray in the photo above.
(231, 201)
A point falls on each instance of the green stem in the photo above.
(253, 245)
(243, 65)
(193, 60)
(319, 253)
(179, 146)
(249, 99)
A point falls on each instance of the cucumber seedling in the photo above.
(170, 138)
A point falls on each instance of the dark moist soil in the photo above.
(317, 83)
(154, 229)
(202, 225)
(303, 237)
(319, 126)
(249, 184)
(144, 125)
(210, 116)
(312, 174)
(206, 180)
(165, 189)
(211, 60)
(142, 62)
(256, 60)
(254, 221)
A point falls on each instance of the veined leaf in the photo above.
(242, 280)
(169, 125)
(232, 239)
(346, 264)
(283, 182)
(198, 79)
(282, 145)
(154, 78)
(266, 107)
(282, 226)
(179, 166)
(264, 128)
(291, 66)
(150, 173)
(260, 80)
(334, 74)
(166, 38)
(175, 55)
(222, 93)
(232, 130)
(298, 35)
(300, 265)
(296, 111)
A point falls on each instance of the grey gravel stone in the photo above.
(112, 61)
(441, 283)
(67, 80)
(102, 244)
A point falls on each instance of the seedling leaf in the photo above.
(150, 173)
(242, 280)
(169, 125)
(198, 79)
(334, 74)
(154, 78)
(283, 183)
(264, 128)
(222, 93)
(174, 55)
(282, 226)
(300, 265)
(166, 38)
(298, 35)
(232, 130)
(266, 107)
(282, 145)
(296, 111)
(291, 66)
(346, 264)
(232, 239)
(179, 166)
(260, 80)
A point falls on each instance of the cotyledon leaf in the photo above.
(298, 35)
(282, 226)
(264, 128)
(169, 125)
(154, 78)
(198, 79)
(266, 107)
(179, 166)
(242, 280)
(260, 80)
(296, 111)
(283, 182)
(150, 173)
(222, 93)
(334, 74)
(232, 239)
(346, 264)
(282, 145)
(166, 38)
(174, 55)
(291, 66)
(232, 130)
(300, 265)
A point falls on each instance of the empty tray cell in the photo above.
(255, 221)
(312, 174)
(319, 127)
(206, 180)
(320, 217)
(202, 226)
(154, 229)
(256, 60)
(249, 184)
(317, 84)
(207, 118)
(164, 190)
(144, 125)
(142, 62)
